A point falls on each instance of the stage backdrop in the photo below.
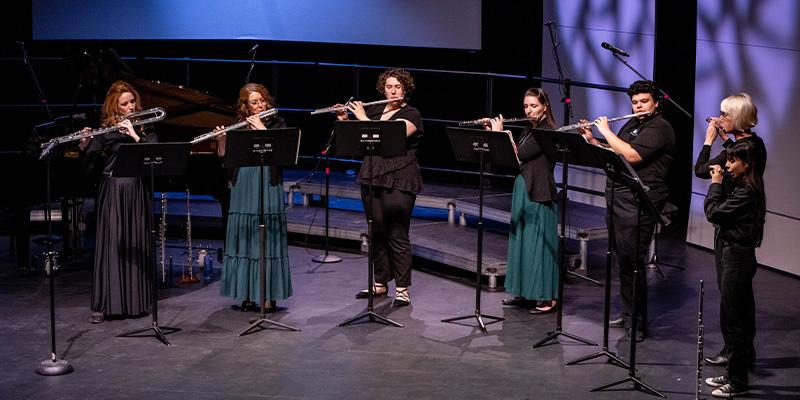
(452, 24)
(754, 47)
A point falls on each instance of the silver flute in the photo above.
(150, 115)
(346, 105)
(162, 236)
(210, 135)
(484, 121)
(189, 235)
(588, 124)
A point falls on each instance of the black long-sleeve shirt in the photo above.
(704, 159)
(738, 216)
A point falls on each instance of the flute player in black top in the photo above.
(647, 143)
(396, 182)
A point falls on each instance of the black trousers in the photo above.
(390, 211)
(623, 239)
(736, 266)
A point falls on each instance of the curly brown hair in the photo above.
(242, 112)
(109, 114)
(402, 76)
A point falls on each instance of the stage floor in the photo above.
(427, 359)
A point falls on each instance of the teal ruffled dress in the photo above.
(240, 274)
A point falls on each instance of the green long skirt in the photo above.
(240, 272)
(532, 270)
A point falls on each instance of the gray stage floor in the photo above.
(427, 359)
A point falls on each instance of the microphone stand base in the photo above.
(54, 367)
(326, 259)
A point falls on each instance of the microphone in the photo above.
(613, 49)
(253, 49)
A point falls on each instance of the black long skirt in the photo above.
(123, 261)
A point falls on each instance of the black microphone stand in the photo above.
(327, 258)
(564, 91)
(53, 366)
(664, 95)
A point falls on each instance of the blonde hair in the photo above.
(743, 112)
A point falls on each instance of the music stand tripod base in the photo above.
(159, 332)
(479, 317)
(261, 320)
(373, 317)
(638, 384)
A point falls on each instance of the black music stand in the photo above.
(619, 170)
(368, 139)
(570, 149)
(481, 146)
(148, 160)
(275, 147)
(606, 159)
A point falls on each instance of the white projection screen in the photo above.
(453, 24)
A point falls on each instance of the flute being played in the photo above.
(587, 124)
(346, 105)
(485, 121)
(210, 135)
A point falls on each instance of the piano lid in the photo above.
(187, 109)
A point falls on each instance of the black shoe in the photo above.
(377, 291)
(518, 302)
(720, 359)
(617, 323)
(717, 381)
(728, 391)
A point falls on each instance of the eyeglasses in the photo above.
(723, 114)
(257, 102)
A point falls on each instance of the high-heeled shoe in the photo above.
(378, 289)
